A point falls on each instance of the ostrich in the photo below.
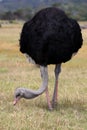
(50, 37)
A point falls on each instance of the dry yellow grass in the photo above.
(70, 113)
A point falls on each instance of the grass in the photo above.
(71, 111)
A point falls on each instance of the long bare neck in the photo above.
(29, 94)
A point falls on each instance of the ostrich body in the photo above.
(50, 37)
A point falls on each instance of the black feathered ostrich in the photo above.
(50, 37)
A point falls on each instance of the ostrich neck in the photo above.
(28, 93)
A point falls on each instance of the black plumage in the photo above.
(50, 37)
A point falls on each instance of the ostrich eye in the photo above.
(18, 95)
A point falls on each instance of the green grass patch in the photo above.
(71, 110)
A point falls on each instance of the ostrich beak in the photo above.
(16, 100)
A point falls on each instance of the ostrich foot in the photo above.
(50, 108)
(54, 104)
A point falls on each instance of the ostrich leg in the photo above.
(55, 94)
(44, 75)
(48, 100)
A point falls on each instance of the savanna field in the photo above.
(71, 110)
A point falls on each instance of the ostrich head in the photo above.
(19, 93)
(25, 93)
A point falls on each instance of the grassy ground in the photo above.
(71, 111)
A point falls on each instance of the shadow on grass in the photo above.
(76, 105)
(66, 104)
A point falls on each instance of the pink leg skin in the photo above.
(55, 95)
(48, 100)
(56, 92)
